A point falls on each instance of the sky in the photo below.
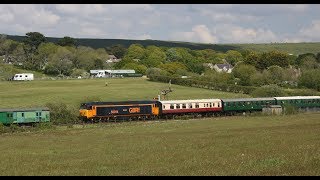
(199, 23)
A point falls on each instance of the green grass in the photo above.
(265, 145)
(73, 92)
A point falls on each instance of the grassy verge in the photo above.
(266, 145)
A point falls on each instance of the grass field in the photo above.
(73, 92)
(264, 145)
(243, 145)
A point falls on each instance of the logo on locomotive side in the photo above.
(134, 110)
(114, 111)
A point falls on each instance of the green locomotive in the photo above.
(24, 116)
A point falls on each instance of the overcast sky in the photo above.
(205, 23)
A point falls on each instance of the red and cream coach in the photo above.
(197, 106)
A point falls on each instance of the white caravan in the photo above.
(23, 77)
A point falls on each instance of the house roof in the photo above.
(112, 56)
(224, 66)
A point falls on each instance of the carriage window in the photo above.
(184, 106)
(22, 114)
(197, 105)
(171, 106)
(178, 106)
(218, 104)
(164, 106)
(190, 105)
(37, 114)
(210, 104)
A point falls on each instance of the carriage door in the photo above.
(38, 116)
(20, 117)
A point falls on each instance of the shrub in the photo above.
(289, 109)
(61, 114)
(268, 91)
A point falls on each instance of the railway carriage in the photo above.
(301, 102)
(24, 116)
(198, 106)
(232, 106)
(102, 111)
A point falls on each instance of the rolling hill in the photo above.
(292, 48)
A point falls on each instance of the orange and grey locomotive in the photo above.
(125, 110)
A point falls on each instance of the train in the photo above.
(157, 109)
(24, 115)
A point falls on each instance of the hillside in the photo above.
(102, 43)
(292, 48)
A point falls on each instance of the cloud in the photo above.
(228, 17)
(80, 9)
(199, 33)
(312, 31)
(236, 34)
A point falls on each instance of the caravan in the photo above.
(23, 77)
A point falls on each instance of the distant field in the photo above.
(292, 48)
(265, 145)
(73, 92)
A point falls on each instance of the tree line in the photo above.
(251, 68)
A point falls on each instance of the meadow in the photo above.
(232, 145)
(72, 92)
(243, 145)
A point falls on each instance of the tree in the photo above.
(135, 51)
(276, 74)
(273, 58)
(233, 57)
(252, 58)
(98, 64)
(172, 55)
(60, 63)
(302, 57)
(172, 67)
(45, 50)
(67, 41)
(153, 72)
(117, 50)
(154, 57)
(139, 68)
(309, 62)
(310, 79)
(244, 73)
(34, 39)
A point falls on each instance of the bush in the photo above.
(61, 114)
(289, 109)
(268, 91)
